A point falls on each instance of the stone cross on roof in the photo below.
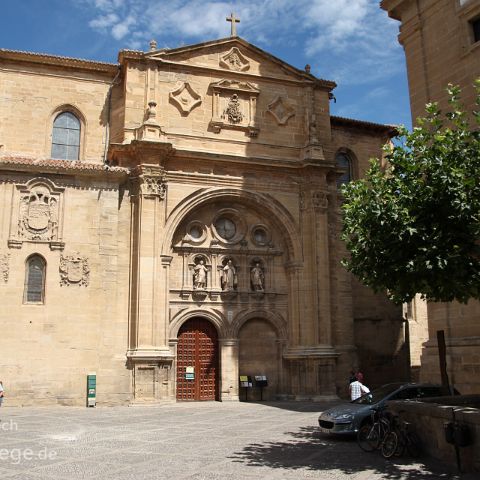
(234, 20)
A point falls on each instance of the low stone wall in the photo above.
(428, 419)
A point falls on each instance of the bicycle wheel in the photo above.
(390, 445)
(368, 438)
(414, 446)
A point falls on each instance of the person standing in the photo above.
(1, 393)
(357, 389)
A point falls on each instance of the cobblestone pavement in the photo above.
(194, 441)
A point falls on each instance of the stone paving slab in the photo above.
(190, 441)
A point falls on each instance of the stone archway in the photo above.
(259, 355)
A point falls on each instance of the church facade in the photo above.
(171, 223)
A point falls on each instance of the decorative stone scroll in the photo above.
(234, 106)
(4, 266)
(185, 98)
(234, 60)
(281, 110)
(74, 270)
(39, 214)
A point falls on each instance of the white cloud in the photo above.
(353, 40)
(121, 29)
(104, 21)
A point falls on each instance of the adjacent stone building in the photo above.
(171, 223)
(441, 39)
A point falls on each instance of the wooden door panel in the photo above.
(197, 347)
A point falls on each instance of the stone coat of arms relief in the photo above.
(39, 214)
(234, 106)
(4, 266)
(74, 270)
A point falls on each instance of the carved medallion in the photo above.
(234, 60)
(74, 270)
(185, 98)
(4, 266)
(281, 110)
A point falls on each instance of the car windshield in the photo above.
(377, 395)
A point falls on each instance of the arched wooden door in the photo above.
(197, 361)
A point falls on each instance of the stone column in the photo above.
(294, 271)
(149, 349)
(323, 321)
(229, 382)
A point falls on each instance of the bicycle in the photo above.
(401, 438)
(371, 435)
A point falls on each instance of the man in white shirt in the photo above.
(357, 389)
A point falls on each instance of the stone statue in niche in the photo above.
(200, 276)
(257, 278)
(232, 112)
(229, 277)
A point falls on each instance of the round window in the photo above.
(195, 232)
(226, 228)
(260, 236)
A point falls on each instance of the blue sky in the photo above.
(351, 42)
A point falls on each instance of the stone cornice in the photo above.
(390, 130)
(394, 8)
(57, 60)
(63, 167)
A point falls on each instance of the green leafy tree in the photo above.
(413, 226)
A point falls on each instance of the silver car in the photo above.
(349, 417)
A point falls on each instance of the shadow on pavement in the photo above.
(300, 406)
(316, 451)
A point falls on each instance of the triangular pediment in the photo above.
(232, 54)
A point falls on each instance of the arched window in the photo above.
(66, 137)
(344, 162)
(35, 280)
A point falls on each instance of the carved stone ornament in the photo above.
(281, 110)
(185, 98)
(4, 266)
(150, 129)
(234, 60)
(233, 112)
(39, 214)
(154, 186)
(74, 270)
(319, 200)
(234, 106)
